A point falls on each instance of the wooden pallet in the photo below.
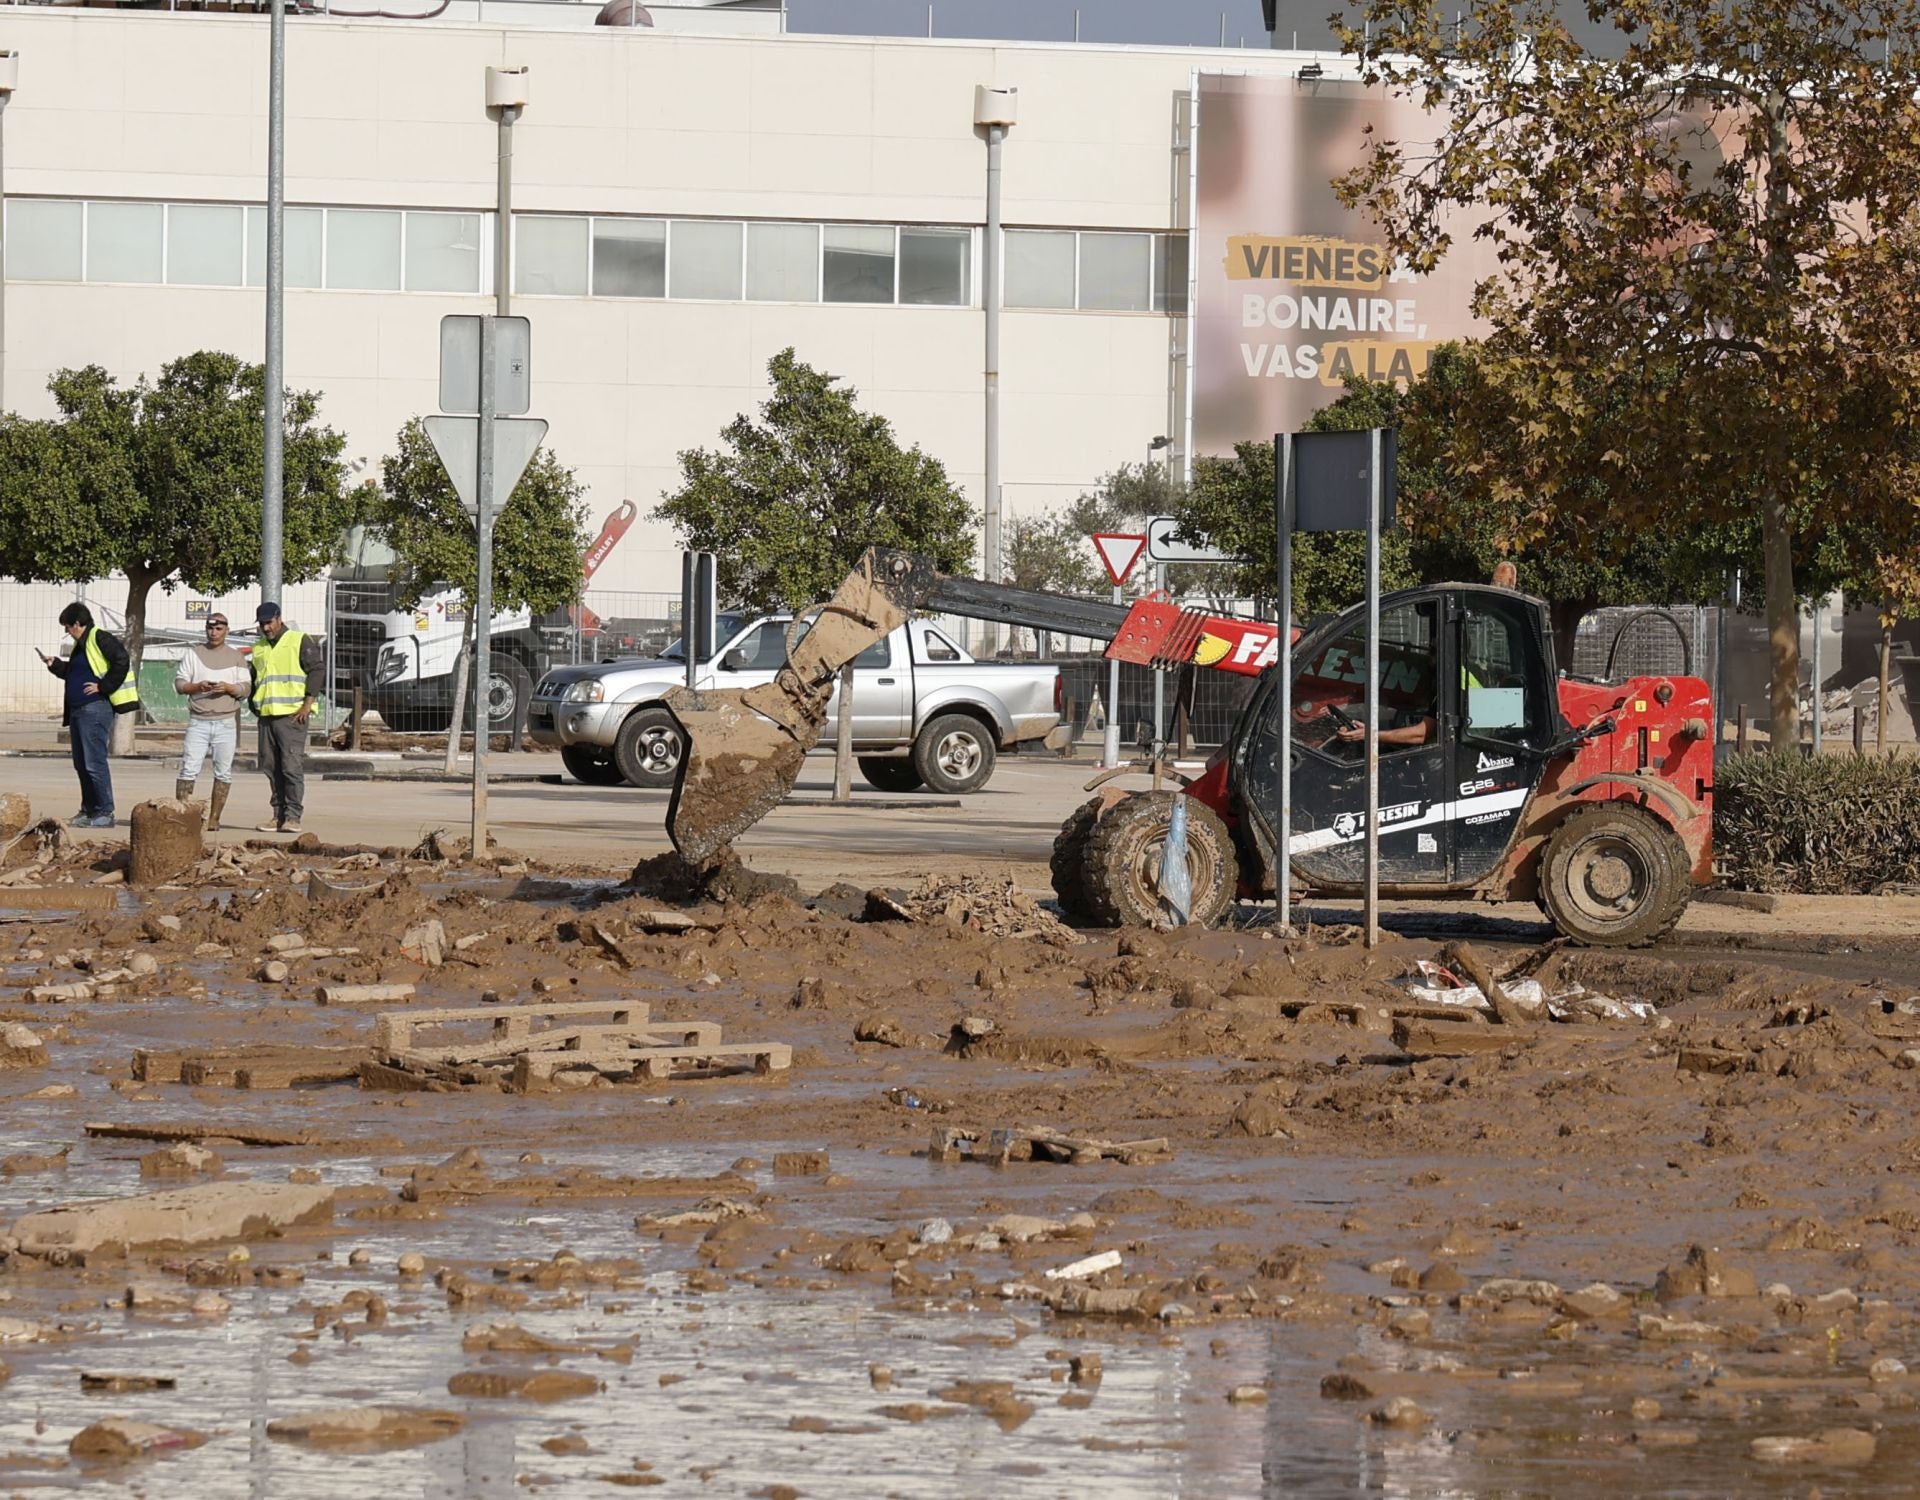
(1038, 1143)
(393, 1031)
(533, 1071)
(260, 1067)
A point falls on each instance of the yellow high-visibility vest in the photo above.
(122, 697)
(279, 686)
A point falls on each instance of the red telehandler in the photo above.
(1500, 777)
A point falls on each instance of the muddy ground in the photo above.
(1344, 1241)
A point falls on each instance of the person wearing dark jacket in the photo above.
(98, 687)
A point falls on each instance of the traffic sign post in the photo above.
(485, 365)
(1333, 481)
(1119, 551)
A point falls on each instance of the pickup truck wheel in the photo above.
(649, 748)
(955, 753)
(1069, 866)
(1615, 876)
(887, 774)
(1122, 870)
(591, 764)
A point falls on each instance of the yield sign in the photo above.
(1119, 551)
(457, 441)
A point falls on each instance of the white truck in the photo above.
(404, 658)
(925, 713)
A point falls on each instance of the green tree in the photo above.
(160, 481)
(1050, 549)
(538, 536)
(1456, 523)
(789, 502)
(1711, 235)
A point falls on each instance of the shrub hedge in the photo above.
(1829, 825)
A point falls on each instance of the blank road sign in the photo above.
(460, 364)
(1331, 486)
(457, 441)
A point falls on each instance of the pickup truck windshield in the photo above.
(726, 627)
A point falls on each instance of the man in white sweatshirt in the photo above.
(215, 681)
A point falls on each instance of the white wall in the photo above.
(172, 107)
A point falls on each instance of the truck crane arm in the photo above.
(744, 747)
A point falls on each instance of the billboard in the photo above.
(1293, 292)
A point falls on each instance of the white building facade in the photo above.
(686, 205)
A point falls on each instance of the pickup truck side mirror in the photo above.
(734, 661)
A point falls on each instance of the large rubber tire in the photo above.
(591, 764)
(1122, 871)
(955, 753)
(1614, 876)
(885, 773)
(649, 748)
(1069, 865)
(509, 690)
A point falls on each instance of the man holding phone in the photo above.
(215, 681)
(97, 688)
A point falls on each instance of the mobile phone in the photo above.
(1341, 717)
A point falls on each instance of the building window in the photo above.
(934, 266)
(783, 262)
(363, 250)
(1116, 272)
(300, 252)
(550, 256)
(1170, 273)
(629, 258)
(206, 244)
(857, 264)
(1039, 267)
(124, 242)
(705, 260)
(443, 252)
(43, 239)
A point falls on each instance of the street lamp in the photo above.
(9, 78)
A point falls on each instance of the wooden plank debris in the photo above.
(533, 1071)
(1038, 1143)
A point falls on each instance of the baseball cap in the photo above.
(267, 612)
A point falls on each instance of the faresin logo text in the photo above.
(1334, 288)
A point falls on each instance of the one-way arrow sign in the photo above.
(1119, 551)
(457, 441)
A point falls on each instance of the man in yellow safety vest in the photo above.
(286, 679)
(98, 687)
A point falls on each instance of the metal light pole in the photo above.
(273, 439)
(995, 109)
(9, 79)
(506, 94)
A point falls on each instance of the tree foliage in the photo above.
(790, 501)
(1051, 549)
(1456, 525)
(161, 481)
(538, 536)
(1707, 243)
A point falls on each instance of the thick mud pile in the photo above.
(1219, 1212)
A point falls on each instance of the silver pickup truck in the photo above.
(925, 713)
